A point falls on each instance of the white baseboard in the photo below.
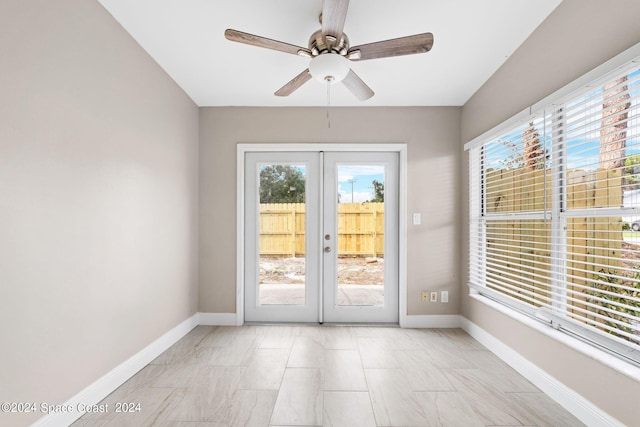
(423, 321)
(573, 402)
(218, 319)
(104, 386)
(576, 404)
(435, 321)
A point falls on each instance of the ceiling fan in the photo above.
(330, 51)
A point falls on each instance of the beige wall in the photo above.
(578, 36)
(99, 186)
(98, 200)
(432, 136)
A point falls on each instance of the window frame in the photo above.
(553, 107)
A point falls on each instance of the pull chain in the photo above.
(328, 79)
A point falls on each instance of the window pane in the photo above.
(360, 263)
(517, 171)
(603, 144)
(518, 259)
(282, 277)
(603, 268)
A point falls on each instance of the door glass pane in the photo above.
(360, 235)
(282, 278)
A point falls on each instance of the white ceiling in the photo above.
(472, 40)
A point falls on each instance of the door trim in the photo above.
(401, 149)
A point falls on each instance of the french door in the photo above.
(321, 237)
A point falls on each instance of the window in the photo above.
(555, 213)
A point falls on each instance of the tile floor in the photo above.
(329, 376)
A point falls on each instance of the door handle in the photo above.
(327, 249)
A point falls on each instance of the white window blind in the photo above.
(555, 214)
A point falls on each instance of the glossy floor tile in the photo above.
(299, 401)
(394, 402)
(348, 409)
(260, 375)
(343, 371)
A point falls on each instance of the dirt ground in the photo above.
(351, 270)
(630, 254)
(370, 271)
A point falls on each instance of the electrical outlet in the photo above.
(425, 296)
(434, 297)
(444, 296)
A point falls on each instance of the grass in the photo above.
(631, 235)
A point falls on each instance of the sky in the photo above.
(362, 176)
(583, 117)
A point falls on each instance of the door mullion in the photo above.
(321, 240)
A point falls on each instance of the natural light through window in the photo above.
(555, 214)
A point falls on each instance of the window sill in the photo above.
(621, 366)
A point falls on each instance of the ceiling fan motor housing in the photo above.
(320, 44)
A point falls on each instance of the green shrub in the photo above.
(617, 296)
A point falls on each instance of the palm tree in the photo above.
(533, 153)
(613, 132)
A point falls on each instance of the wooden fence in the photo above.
(360, 229)
(591, 242)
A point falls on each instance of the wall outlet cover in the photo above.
(444, 296)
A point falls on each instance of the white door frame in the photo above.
(402, 208)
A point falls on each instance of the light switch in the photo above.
(416, 219)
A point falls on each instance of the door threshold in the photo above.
(327, 324)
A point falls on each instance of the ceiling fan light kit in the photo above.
(329, 68)
(331, 54)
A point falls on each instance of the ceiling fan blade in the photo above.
(253, 40)
(357, 86)
(419, 43)
(334, 12)
(294, 84)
